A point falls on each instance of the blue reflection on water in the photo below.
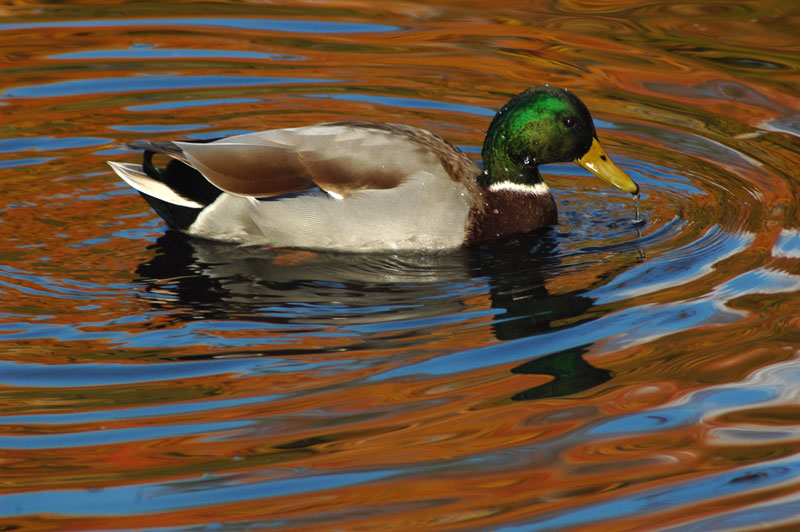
(753, 518)
(646, 422)
(182, 104)
(619, 329)
(26, 162)
(190, 334)
(788, 244)
(409, 103)
(146, 83)
(87, 374)
(700, 404)
(151, 431)
(660, 499)
(207, 491)
(140, 52)
(155, 128)
(49, 143)
(678, 267)
(260, 24)
(138, 412)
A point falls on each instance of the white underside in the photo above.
(426, 212)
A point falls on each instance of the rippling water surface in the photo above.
(592, 376)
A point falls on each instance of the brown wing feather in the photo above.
(248, 169)
(344, 175)
(338, 158)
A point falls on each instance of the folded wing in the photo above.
(338, 158)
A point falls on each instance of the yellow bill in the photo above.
(597, 161)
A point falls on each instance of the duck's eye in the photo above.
(569, 121)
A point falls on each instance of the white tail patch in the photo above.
(135, 177)
(539, 189)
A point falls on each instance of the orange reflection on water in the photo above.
(698, 100)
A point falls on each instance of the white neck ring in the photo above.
(539, 189)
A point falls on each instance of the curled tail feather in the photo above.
(178, 192)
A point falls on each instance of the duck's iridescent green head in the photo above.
(545, 125)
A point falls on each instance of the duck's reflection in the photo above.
(517, 284)
(570, 371)
(201, 279)
(196, 279)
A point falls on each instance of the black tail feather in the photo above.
(177, 216)
(180, 177)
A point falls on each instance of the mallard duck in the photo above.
(367, 186)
